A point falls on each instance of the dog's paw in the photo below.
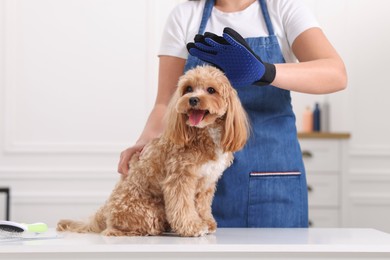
(212, 226)
(195, 233)
(63, 225)
(193, 229)
(73, 226)
(112, 232)
(204, 231)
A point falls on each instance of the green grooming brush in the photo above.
(14, 227)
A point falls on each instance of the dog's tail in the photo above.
(96, 224)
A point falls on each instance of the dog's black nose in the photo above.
(194, 101)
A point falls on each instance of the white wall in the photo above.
(359, 29)
(78, 78)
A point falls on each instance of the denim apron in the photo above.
(266, 185)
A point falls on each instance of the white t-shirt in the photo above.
(289, 19)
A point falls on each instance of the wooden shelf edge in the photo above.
(324, 135)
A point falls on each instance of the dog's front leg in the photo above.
(179, 198)
(203, 201)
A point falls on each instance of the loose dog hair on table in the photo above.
(171, 184)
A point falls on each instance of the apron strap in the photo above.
(267, 19)
(208, 8)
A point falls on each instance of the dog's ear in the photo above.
(176, 129)
(236, 132)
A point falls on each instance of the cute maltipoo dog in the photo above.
(171, 184)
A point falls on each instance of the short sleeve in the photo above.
(173, 41)
(180, 28)
(296, 18)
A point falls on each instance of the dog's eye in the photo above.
(188, 89)
(211, 90)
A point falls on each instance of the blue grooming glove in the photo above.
(232, 54)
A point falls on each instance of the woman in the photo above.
(266, 185)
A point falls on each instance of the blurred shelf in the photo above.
(324, 135)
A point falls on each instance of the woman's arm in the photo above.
(320, 69)
(170, 69)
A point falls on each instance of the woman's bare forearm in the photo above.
(320, 69)
(313, 77)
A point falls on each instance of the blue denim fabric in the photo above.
(266, 185)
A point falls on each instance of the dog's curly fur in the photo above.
(170, 186)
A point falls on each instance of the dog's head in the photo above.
(204, 97)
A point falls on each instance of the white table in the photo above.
(310, 243)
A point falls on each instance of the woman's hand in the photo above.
(123, 166)
(232, 54)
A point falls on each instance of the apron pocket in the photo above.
(276, 200)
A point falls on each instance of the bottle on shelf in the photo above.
(317, 118)
(307, 120)
(325, 113)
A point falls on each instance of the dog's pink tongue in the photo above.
(196, 116)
